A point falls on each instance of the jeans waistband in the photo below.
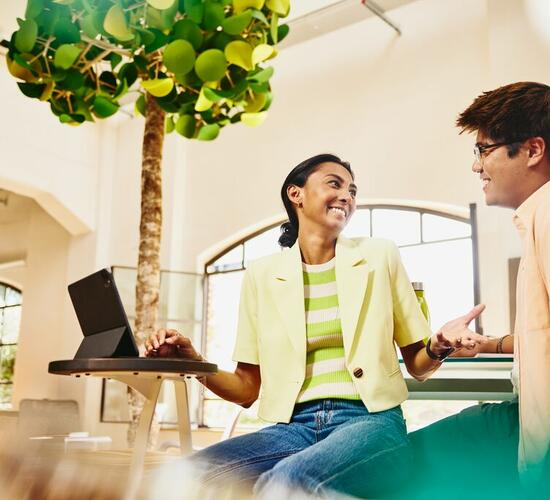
(329, 405)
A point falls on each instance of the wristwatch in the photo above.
(433, 355)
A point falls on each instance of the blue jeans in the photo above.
(329, 445)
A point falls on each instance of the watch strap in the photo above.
(433, 355)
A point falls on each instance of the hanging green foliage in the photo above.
(205, 61)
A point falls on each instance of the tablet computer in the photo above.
(107, 333)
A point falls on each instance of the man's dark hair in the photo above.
(510, 114)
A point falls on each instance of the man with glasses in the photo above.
(503, 447)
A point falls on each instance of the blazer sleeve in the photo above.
(410, 325)
(246, 347)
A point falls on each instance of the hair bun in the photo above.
(289, 234)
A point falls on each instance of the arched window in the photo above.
(10, 320)
(437, 248)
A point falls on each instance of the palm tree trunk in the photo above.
(148, 270)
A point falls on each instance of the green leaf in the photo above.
(261, 53)
(65, 31)
(88, 26)
(209, 132)
(210, 66)
(255, 103)
(188, 30)
(260, 16)
(147, 36)
(240, 54)
(203, 103)
(141, 62)
(179, 57)
(282, 32)
(33, 90)
(64, 118)
(121, 90)
(159, 40)
(140, 105)
(161, 4)
(65, 56)
(73, 80)
(253, 119)
(220, 40)
(115, 59)
(194, 10)
(273, 31)
(213, 15)
(23, 72)
(212, 95)
(241, 5)
(153, 18)
(169, 124)
(234, 25)
(186, 126)
(34, 8)
(158, 87)
(115, 24)
(260, 88)
(103, 107)
(25, 38)
(262, 76)
(129, 73)
(281, 7)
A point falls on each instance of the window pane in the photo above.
(2, 295)
(7, 363)
(13, 297)
(125, 280)
(441, 228)
(12, 320)
(262, 245)
(359, 224)
(223, 309)
(6, 391)
(446, 271)
(180, 297)
(400, 226)
(231, 260)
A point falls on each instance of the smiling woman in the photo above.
(317, 329)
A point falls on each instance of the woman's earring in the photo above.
(300, 204)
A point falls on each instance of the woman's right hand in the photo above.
(175, 345)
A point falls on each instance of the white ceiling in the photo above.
(311, 18)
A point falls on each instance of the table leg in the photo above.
(184, 424)
(150, 389)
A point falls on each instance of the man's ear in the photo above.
(294, 194)
(536, 151)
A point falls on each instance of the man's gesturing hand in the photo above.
(457, 335)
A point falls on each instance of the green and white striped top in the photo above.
(326, 373)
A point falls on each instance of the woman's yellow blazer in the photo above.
(377, 308)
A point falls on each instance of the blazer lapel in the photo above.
(352, 277)
(288, 290)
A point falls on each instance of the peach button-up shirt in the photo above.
(532, 332)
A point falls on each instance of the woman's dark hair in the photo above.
(298, 177)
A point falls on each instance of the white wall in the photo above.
(388, 104)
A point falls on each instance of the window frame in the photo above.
(13, 344)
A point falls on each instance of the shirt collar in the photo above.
(526, 210)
